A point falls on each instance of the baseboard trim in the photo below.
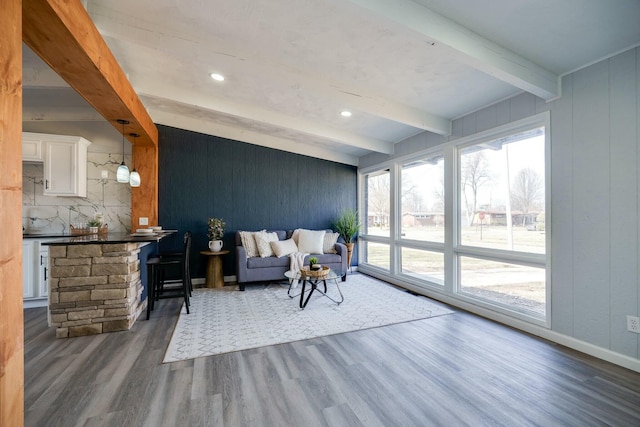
(33, 303)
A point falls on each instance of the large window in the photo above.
(378, 201)
(422, 199)
(502, 193)
(422, 218)
(467, 219)
(501, 221)
(423, 264)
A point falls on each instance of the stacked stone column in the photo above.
(94, 288)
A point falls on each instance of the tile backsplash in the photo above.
(42, 213)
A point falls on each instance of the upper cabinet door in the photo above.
(65, 167)
(32, 148)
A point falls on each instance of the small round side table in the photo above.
(215, 278)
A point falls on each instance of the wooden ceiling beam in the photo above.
(64, 36)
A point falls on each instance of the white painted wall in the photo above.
(595, 183)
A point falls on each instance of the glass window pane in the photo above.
(422, 264)
(378, 203)
(422, 207)
(502, 193)
(516, 286)
(377, 254)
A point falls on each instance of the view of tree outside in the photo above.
(502, 193)
(501, 205)
(422, 203)
(378, 202)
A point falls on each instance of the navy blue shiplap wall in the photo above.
(249, 186)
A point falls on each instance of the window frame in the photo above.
(452, 248)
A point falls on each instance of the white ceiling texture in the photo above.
(292, 66)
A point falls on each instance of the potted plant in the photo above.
(215, 234)
(347, 226)
(313, 263)
(94, 225)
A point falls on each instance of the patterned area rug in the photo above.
(226, 320)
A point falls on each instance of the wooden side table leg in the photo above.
(211, 274)
(218, 277)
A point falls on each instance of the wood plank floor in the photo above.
(453, 370)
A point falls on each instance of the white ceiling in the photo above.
(291, 66)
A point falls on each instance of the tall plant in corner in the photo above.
(347, 226)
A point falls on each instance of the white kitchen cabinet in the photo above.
(35, 273)
(32, 147)
(43, 269)
(28, 269)
(65, 166)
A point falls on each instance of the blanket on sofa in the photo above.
(297, 262)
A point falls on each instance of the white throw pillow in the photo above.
(311, 241)
(284, 247)
(263, 240)
(249, 242)
(296, 234)
(329, 246)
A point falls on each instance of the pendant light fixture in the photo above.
(134, 176)
(122, 174)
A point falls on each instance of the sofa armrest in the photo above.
(341, 249)
(241, 264)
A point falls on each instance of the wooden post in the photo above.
(11, 314)
(144, 199)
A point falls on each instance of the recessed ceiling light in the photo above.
(345, 113)
(217, 77)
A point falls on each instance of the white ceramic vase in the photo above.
(215, 245)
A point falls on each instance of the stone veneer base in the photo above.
(94, 289)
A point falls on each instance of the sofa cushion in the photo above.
(325, 259)
(258, 262)
(329, 245)
(284, 247)
(249, 242)
(263, 242)
(311, 241)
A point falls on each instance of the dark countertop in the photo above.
(44, 235)
(89, 239)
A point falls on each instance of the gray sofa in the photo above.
(257, 269)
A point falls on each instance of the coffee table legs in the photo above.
(314, 287)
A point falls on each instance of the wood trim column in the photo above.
(11, 314)
(62, 34)
(147, 194)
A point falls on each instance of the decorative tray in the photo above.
(306, 271)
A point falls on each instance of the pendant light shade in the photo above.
(134, 176)
(122, 174)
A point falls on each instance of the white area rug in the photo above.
(226, 320)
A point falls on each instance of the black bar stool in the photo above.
(158, 276)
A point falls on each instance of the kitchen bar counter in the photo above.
(44, 235)
(90, 239)
(95, 283)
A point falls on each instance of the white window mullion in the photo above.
(451, 221)
(394, 231)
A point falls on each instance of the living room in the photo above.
(592, 210)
